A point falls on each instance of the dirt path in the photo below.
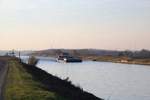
(3, 72)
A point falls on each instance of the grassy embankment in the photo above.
(26, 82)
(121, 59)
(22, 86)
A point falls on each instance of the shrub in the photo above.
(32, 60)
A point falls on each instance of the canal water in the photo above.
(111, 81)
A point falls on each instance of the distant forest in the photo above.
(136, 54)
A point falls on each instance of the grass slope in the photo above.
(21, 86)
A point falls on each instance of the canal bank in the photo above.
(26, 82)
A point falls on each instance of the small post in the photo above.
(19, 56)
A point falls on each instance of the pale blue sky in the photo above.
(102, 24)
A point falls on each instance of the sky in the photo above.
(100, 24)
